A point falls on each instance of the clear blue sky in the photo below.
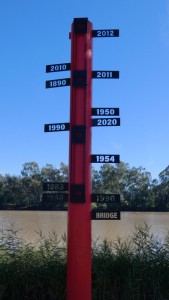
(34, 33)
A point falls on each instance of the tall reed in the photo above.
(136, 268)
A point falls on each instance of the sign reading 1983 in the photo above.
(57, 83)
(105, 158)
(58, 67)
(105, 33)
(55, 186)
(56, 127)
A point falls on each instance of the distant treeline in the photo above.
(138, 191)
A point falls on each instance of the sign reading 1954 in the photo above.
(105, 74)
(106, 122)
(105, 158)
(58, 67)
(56, 127)
(105, 33)
(57, 83)
(105, 111)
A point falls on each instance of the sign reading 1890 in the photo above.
(57, 83)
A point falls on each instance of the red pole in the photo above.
(79, 204)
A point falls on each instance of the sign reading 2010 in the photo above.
(58, 67)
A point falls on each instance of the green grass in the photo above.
(133, 269)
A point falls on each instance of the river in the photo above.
(29, 222)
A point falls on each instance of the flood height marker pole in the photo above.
(79, 204)
(75, 195)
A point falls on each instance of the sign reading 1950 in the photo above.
(56, 127)
(57, 83)
(105, 111)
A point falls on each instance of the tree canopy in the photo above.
(138, 191)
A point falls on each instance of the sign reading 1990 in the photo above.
(56, 127)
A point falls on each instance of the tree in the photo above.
(30, 169)
(164, 175)
(49, 173)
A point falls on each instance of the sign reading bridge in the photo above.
(105, 215)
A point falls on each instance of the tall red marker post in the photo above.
(79, 204)
(80, 212)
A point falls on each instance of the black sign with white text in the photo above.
(106, 198)
(105, 158)
(55, 186)
(56, 127)
(56, 83)
(58, 67)
(106, 122)
(54, 197)
(105, 33)
(105, 111)
(105, 214)
(105, 74)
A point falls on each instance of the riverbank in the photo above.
(133, 269)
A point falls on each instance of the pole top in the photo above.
(80, 25)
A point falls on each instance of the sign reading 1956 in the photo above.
(57, 83)
(105, 74)
(56, 127)
(106, 122)
(55, 197)
(105, 158)
(58, 67)
(105, 33)
(105, 111)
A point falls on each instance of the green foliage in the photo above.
(136, 268)
(138, 192)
